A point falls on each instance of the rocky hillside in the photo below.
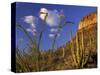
(88, 21)
(87, 28)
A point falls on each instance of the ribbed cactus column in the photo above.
(77, 50)
(72, 49)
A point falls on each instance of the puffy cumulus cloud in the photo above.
(31, 20)
(43, 12)
(53, 17)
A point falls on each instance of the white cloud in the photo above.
(29, 30)
(43, 12)
(53, 17)
(53, 30)
(31, 20)
(52, 35)
(32, 30)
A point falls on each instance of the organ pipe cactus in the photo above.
(78, 53)
(72, 49)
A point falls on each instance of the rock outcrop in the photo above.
(88, 21)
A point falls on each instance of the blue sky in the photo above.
(70, 12)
